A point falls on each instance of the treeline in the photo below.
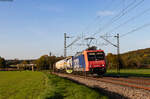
(2, 62)
(133, 59)
(47, 62)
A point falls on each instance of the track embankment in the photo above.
(120, 88)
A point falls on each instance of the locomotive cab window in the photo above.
(100, 56)
(91, 56)
(95, 56)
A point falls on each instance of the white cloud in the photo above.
(105, 13)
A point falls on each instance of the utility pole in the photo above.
(65, 45)
(118, 49)
(118, 53)
(50, 54)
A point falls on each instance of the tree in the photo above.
(47, 62)
(24, 62)
(112, 60)
(2, 62)
(121, 63)
(53, 60)
(43, 63)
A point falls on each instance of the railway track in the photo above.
(141, 83)
(134, 83)
(125, 82)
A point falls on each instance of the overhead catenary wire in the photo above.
(99, 21)
(101, 18)
(98, 17)
(121, 12)
(126, 10)
(131, 9)
(119, 15)
(136, 29)
(133, 30)
(129, 20)
(83, 36)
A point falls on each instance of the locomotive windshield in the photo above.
(95, 56)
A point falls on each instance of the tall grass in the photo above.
(60, 88)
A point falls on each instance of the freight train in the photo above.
(90, 61)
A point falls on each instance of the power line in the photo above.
(145, 25)
(121, 15)
(126, 10)
(130, 32)
(136, 29)
(99, 17)
(83, 36)
(131, 19)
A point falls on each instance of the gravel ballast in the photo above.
(117, 91)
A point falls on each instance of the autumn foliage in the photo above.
(133, 59)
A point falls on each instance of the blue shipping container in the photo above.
(79, 63)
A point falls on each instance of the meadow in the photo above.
(39, 85)
(60, 88)
(21, 85)
(130, 72)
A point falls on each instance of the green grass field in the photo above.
(131, 72)
(21, 85)
(60, 88)
(39, 85)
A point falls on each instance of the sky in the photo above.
(32, 28)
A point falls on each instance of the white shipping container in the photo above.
(61, 64)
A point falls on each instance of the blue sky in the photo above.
(31, 28)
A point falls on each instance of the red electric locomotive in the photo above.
(92, 61)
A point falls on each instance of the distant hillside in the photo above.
(133, 59)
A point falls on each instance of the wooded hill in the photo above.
(133, 59)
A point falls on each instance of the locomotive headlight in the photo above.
(103, 65)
